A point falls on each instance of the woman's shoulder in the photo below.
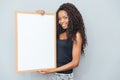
(78, 37)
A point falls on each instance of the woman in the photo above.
(71, 41)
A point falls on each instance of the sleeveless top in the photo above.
(64, 53)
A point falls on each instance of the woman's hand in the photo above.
(42, 12)
(46, 71)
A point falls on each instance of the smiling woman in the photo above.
(71, 41)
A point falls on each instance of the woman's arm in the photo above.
(76, 53)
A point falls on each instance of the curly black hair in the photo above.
(75, 25)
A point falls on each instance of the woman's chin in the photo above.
(64, 27)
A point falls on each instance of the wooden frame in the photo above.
(35, 41)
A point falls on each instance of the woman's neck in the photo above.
(63, 35)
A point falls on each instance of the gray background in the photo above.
(101, 18)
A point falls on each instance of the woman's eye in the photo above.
(59, 18)
(65, 17)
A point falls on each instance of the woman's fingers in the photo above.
(42, 72)
(42, 12)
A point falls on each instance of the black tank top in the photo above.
(64, 53)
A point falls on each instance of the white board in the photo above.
(35, 41)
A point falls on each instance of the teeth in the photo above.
(63, 25)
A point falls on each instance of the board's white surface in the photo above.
(36, 41)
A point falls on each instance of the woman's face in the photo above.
(63, 19)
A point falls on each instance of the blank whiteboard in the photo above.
(35, 41)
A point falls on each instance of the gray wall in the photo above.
(101, 17)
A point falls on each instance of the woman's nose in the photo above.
(62, 20)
